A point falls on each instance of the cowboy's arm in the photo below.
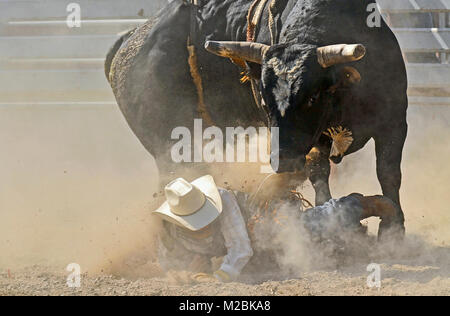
(237, 242)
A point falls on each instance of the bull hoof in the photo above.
(391, 232)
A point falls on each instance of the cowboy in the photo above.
(206, 229)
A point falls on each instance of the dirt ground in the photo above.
(75, 189)
(399, 277)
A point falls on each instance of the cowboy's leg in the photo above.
(347, 212)
(358, 207)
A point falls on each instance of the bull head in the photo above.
(298, 82)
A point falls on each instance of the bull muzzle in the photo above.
(280, 164)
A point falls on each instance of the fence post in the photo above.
(442, 25)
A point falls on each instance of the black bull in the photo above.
(149, 71)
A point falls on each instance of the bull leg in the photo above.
(318, 166)
(389, 148)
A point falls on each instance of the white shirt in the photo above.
(235, 234)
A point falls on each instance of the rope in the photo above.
(253, 196)
(193, 64)
(254, 19)
(198, 82)
(272, 9)
(305, 203)
(254, 15)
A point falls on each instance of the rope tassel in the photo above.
(342, 139)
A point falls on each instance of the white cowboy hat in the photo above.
(192, 205)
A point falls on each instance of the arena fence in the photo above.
(42, 61)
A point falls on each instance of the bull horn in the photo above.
(253, 52)
(328, 56)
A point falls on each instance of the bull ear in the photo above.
(346, 77)
(328, 56)
(249, 51)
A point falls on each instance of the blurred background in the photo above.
(75, 181)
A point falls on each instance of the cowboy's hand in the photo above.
(216, 263)
(204, 278)
(179, 277)
(199, 264)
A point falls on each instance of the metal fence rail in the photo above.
(43, 60)
(426, 48)
(42, 10)
(414, 6)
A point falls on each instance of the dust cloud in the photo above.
(426, 174)
(424, 197)
(76, 186)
